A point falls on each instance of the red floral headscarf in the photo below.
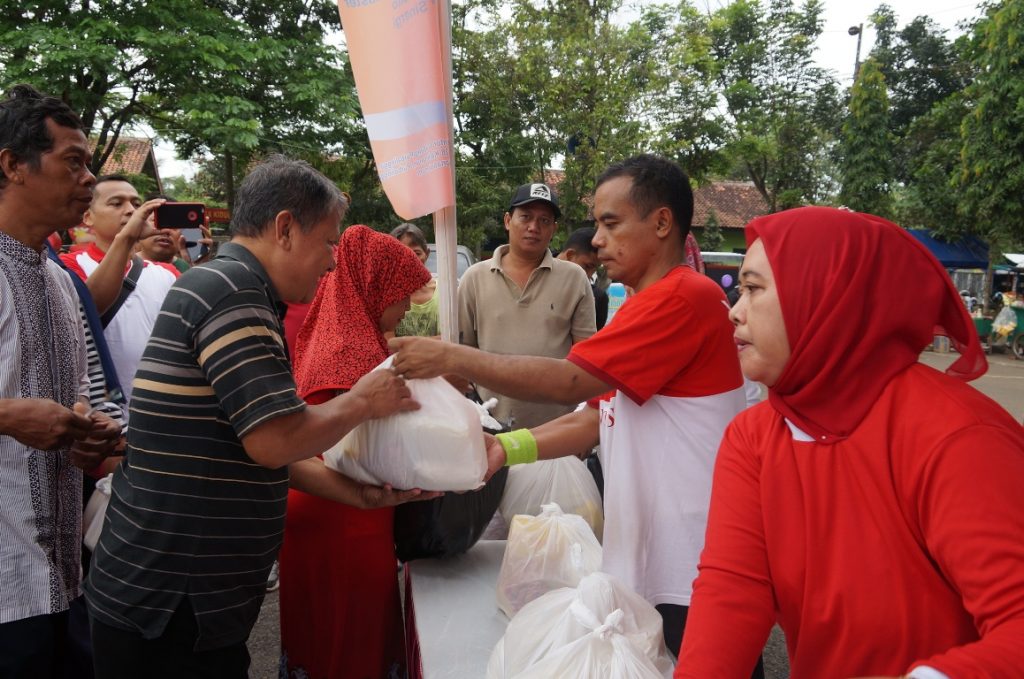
(340, 339)
(861, 298)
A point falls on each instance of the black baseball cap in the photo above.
(531, 193)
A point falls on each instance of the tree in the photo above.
(992, 170)
(782, 110)
(865, 167)
(235, 77)
(539, 82)
(931, 197)
(712, 238)
(922, 68)
(688, 125)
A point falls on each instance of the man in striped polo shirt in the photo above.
(216, 435)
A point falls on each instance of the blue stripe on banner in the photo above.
(402, 122)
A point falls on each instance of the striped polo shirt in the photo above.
(191, 514)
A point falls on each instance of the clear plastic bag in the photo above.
(1005, 321)
(604, 653)
(438, 447)
(95, 512)
(543, 553)
(566, 481)
(553, 621)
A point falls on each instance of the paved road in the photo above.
(1004, 383)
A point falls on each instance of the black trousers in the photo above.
(120, 654)
(34, 648)
(674, 622)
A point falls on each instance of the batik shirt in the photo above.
(42, 355)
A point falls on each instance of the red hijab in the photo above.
(861, 298)
(340, 339)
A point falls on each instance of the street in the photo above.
(1004, 383)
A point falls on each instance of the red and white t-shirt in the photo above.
(670, 355)
(130, 328)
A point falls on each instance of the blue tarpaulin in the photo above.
(969, 252)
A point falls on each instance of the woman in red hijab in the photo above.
(340, 609)
(872, 507)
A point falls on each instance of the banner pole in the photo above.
(445, 222)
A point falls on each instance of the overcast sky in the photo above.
(836, 48)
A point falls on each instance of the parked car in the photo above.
(723, 268)
(464, 259)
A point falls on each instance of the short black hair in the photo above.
(282, 184)
(580, 240)
(657, 182)
(23, 116)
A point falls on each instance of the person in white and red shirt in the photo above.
(669, 374)
(117, 218)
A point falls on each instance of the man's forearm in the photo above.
(575, 433)
(105, 282)
(311, 476)
(528, 378)
(299, 436)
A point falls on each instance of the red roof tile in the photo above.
(734, 203)
(129, 156)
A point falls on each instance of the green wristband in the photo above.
(519, 445)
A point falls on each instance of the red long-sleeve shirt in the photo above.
(900, 546)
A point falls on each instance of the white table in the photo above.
(457, 618)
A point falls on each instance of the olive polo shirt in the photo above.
(555, 310)
(191, 514)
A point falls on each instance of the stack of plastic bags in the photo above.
(544, 553)
(438, 447)
(600, 629)
(564, 481)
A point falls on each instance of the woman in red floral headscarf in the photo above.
(340, 609)
(872, 507)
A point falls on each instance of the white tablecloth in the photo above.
(457, 618)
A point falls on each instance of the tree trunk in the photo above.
(229, 180)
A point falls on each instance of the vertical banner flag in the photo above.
(395, 48)
(400, 51)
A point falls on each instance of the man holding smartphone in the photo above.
(127, 289)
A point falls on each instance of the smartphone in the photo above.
(187, 218)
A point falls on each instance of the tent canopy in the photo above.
(969, 252)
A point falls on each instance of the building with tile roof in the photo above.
(734, 204)
(132, 155)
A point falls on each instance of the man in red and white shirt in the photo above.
(662, 380)
(117, 217)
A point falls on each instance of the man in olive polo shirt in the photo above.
(217, 434)
(523, 301)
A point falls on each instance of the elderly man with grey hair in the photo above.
(217, 435)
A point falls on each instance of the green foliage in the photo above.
(187, 191)
(238, 77)
(538, 81)
(143, 183)
(865, 167)
(922, 68)
(782, 110)
(712, 238)
(992, 170)
(931, 198)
